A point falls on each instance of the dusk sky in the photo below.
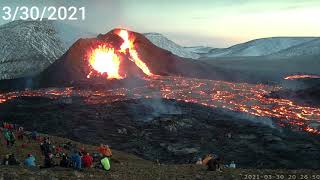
(214, 23)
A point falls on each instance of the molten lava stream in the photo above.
(106, 60)
(241, 97)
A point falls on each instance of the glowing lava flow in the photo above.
(240, 97)
(305, 76)
(134, 57)
(106, 60)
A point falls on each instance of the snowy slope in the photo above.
(259, 47)
(27, 47)
(164, 43)
(199, 49)
(309, 48)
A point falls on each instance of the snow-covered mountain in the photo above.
(27, 47)
(201, 50)
(260, 47)
(164, 43)
(309, 48)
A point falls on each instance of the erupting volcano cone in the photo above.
(118, 54)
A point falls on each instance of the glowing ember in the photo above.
(104, 60)
(241, 97)
(293, 77)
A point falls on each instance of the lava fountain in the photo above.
(107, 60)
(104, 60)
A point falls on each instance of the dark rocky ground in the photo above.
(169, 131)
(128, 166)
(301, 91)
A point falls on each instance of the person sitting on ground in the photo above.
(206, 159)
(87, 160)
(58, 151)
(232, 165)
(5, 160)
(13, 160)
(105, 150)
(214, 164)
(199, 162)
(76, 160)
(65, 162)
(105, 163)
(30, 161)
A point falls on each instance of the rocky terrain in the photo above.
(301, 91)
(124, 166)
(169, 131)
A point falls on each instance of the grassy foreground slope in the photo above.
(124, 166)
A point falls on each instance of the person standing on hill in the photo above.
(48, 161)
(6, 135)
(5, 160)
(12, 138)
(9, 137)
(12, 160)
(20, 133)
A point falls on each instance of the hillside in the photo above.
(311, 48)
(164, 43)
(123, 166)
(28, 47)
(259, 47)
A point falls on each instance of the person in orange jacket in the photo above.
(206, 159)
(105, 150)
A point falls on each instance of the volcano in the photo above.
(131, 55)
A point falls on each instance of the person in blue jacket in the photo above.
(76, 160)
(30, 161)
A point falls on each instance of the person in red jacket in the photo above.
(87, 160)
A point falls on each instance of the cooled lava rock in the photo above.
(168, 131)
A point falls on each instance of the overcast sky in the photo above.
(217, 23)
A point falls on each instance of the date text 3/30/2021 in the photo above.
(62, 13)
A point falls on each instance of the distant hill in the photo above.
(260, 47)
(164, 43)
(309, 48)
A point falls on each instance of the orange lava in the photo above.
(241, 97)
(134, 57)
(305, 76)
(106, 60)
